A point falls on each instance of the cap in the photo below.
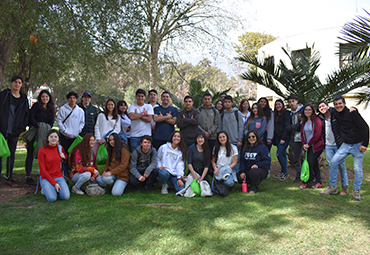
(86, 94)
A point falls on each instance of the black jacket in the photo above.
(334, 127)
(91, 114)
(20, 116)
(282, 128)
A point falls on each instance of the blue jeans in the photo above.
(80, 179)
(134, 143)
(330, 151)
(164, 176)
(281, 154)
(50, 192)
(229, 182)
(118, 185)
(358, 158)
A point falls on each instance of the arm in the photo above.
(317, 132)
(190, 163)
(215, 124)
(153, 163)
(235, 161)
(179, 122)
(270, 128)
(133, 165)
(262, 129)
(32, 121)
(82, 119)
(117, 125)
(42, 165)
(124, 164)
(286, 119)
(264, 158)
(159, 156)
(61, 116)
(194, 119)
(240, 128)
(97, 127)
(364, 129)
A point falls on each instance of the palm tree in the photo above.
(356, 35)
(301, 79)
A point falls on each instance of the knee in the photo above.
(117, 192)
(51, 198)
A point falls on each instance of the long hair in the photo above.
(218, 146)
(304, 117)
(118, 146)
(259, 113)
(85, 151)
(114, 113)
(247, 143)
(205, 147)
(276, 112)
(241, 105)
(223, 108)
(181, 145)
(267, 110)
(120, 103)
(50, 107)
(46, 142)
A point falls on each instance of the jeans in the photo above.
(118, 185)
(65, 143)
(134, 143)
(330, 151)
(164, 176)
(229, 182)
(281, 154)
(358, 157)
(50, 192)
(12, 144)
(80, 179)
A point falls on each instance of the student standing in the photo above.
(257, 121)
(208, 119)
(91, 114)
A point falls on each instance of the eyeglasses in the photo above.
(53, 136)
(252, 136)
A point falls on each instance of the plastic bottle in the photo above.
(244, 186)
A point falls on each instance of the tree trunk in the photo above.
(154, 67)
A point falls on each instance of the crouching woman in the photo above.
(51, 176)
(254, 161)
(117, 169)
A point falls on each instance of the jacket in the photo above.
(20, 116)
(188, 125)
(317, 141)
(119, 169)
(282, 126)
(270, 128)
(91, 114)
(296, 123)
(171, 159)
(141, 163)
(259, 156)
(334, 127)
(75, 122)
(233, 127)
(209, 120)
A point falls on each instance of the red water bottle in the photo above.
(244, 186)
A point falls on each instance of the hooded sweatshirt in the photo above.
(209, 120)
(258, 155)
(171, 159)
(234, 128)
(141, 163)
(75, 122)
(296, 120)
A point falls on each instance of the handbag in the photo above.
(4, 148)
(77, 140)
(195, 187)
(101, 155)
(205, 189)
(305, 170)
(220, 188)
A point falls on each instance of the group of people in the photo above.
(231, 144)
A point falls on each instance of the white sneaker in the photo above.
(164, 189)
(77, 191)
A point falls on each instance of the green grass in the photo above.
(280, 219)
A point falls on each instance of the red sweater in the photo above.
(49, 163)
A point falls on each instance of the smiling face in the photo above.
(222, 138)
(122, 108)
(252, 138)
(165, 98)
(255, 109)
(245, 106)
(200, 140)
(92, 141)
(45, 98)
(110, 106)
(153, 97)
(308, 112)
(140, 98)
(219, 105)
(53, 139)
(323, 108)
(278, 106)
(17, 85)
(339, 105)
(111, 141)
(72, 101)
(176, 138)
(263, 103)
(145, 145)
(188, 103)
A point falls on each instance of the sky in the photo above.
(283, 18)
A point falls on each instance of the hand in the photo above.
(146, 175)
(362, 148)
(192, 116)
(162, 167)
(180, 183)
(62, 155)
(217, 171)
(142, 178)
(107, 173)
(57, 187)
(200, 179)
(282, 142)
(268, 143)
(254, 167)
(306, 146)
(243, 176)
(128, 128)
(352, 109)
(96, 172)
(240, 144)
(207, 134)
(160, 114)
(183, 116)
(99, 141)
(196, 177)
(169, 115)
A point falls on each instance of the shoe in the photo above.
(317, 186)
(268, 175)
(138, 188)
(356, 194)
(252, 192)
(149, 188)
(330, 190)
(278, 176)
(344, 191)
(297, 180)
(284, 177)
(164, 189)
(303, 185)
(11, 182)
(77, 191)
(30, 181)
(232, 189)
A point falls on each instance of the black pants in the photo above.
(149, 181)
(158, 143)
(297, 154)
(65, 142)
(12, 144)
(254, 177)
(29, 158)
(313, 161)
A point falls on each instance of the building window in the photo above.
(346, 55)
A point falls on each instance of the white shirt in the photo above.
(140, 127)
(222, 160)
(103, 126)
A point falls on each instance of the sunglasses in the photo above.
(252, 136)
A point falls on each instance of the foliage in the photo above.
(301, 79)
(250, 42)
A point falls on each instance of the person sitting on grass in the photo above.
(117, 168)
(83, 163)
(171, 160)
(51, 176)
(199, 158)
(254, 161)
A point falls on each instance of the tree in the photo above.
(356, 35)
(301, 79)
(250, 42)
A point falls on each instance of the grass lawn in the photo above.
(280, 219)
